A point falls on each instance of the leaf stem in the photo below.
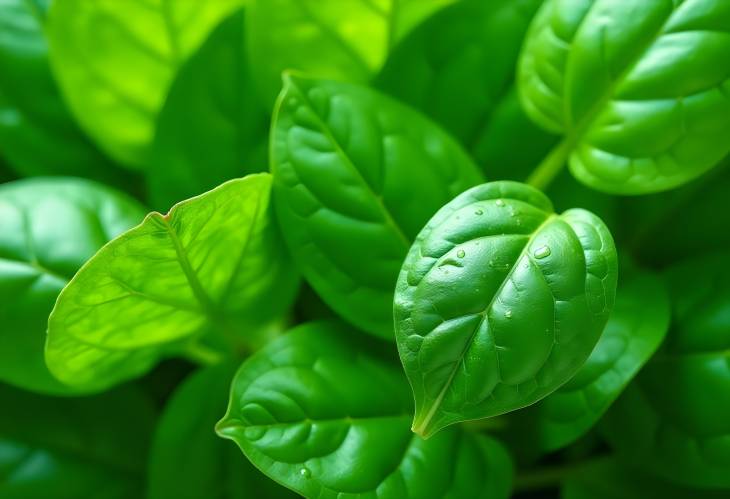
(545, 173)
(201, 354)
(552, 476)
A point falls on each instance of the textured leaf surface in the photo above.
(48, 229)
(188, 460)
(499, 302)
(60, 448)
(641, 90)
(212, 127)
(634, 331)
(115, 60)
(323, 414)
(675, 418)
(471, 46)
(339, 39)
(212, 263)
(356, 175)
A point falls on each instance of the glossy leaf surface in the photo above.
(675, 418)
(322, 413)
(356, 175)
(58, 448)
(499, 302)
(115, 60)
(188, 460)
(471, 46)
(340, 39)
(640, 90)
(48, 229)
(634, 331)
(210, 264)
(212, 127)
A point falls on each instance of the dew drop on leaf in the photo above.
(461, 253)
(542, 252)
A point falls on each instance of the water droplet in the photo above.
(508, 314)
(499, 202)
(305, 472)
(542, 252)
(491, 263)
(461, 253)
(479, 212)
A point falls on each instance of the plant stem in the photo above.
(552, 476)
(203, 355)
(545, 173)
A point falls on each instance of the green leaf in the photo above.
(471, 46)
(634, 331)
(115, 61)
(356, 175)
(48, 229)
(640, 90)
(37, 133)
(211, 265)
(321, 412)
(188, 460)
(499, 302)
(212, 127)
(675, 418)
(343, 40)
(59, 448)
(607, 479)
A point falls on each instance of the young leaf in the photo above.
(212, 127)
(634, 331)
(68, 448)
(356, 175)
(640, 90)
(188, 460)
(37, 133)
(344, 40)
(675, 418)
(499, 302)
(212, 263)
(323, 414)
(114, 62)
(472, 46)
(48, 229)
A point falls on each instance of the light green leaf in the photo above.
(212, 127)
(340, 39)
(675, 417)
(188, 460)
(115, 60)
(636, 328)
(640, 90)
(499, 302)
(48, 229)
(213, 263)
(356, 175)
(321, 412)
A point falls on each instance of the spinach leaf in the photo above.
(188, 460)
(70, 448)
(48, 229)
(499, 302)
(212, 127)
(472, 46)
(321, 412)
(115, 61)
(210, 265)
(395, 169)
(675, 418)
(638, 89)
(343, 40)
(37, 133)
(637, 326)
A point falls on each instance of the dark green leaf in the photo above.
(356, 175)
(321, 413)
(48, 229)
(212, 127)
(499, 302)
(640, 90)
(212, 263)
